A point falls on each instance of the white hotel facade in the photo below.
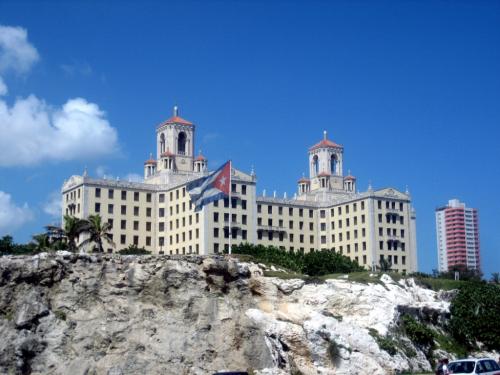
(327, 212)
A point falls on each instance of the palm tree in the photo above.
(495, 278)
(385, 265)
(73, 227)
(98, 231)
(41, 242)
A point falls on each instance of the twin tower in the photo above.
(175, 153)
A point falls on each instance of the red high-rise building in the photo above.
(457, 234)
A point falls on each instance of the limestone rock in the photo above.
(79, 314)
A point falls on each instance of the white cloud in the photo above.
(33, 132)
(16, 53)
(53, 205)
(12, 216)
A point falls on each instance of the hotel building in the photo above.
(457, 234)
(327, 212)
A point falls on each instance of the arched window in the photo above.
(333, 164)
(162, 143)
(316, 165)
(181, 143)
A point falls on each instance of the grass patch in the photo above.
(440, 284)
(449, 344)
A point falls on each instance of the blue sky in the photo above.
(411, 89)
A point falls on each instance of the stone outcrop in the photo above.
(116, 315)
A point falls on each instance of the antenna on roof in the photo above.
(176, 111)
(324, 135)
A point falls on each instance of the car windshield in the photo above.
(461, 367)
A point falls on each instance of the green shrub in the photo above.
(417, 332)
(315, 263)
(134, 250)
(386, 343)
(474, 315)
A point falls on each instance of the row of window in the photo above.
(391, 218)
(123, 193)
(234, 233)
(270, 209)
(392, 245)
(391, 232)
(179, 223)
(73, 195)
(179, 237)
(390, 205)
(123, 209)
(394, 259)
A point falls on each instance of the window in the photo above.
(270, 209)
(380, 231)
(363, 232)
(290, 211)
(148, 226)
(311, 226)
(161, 212)
(259, 234)
(234, 202)
(124, 195)
(148, 241)
(301, 212)
(136, 240)
(110, 208)
(400, 206)
(401, 220)
(259, 221)
(403, 260)
(123, 224)
(311, 239)
(216, 248)
(301, 238)
(362, 205)
(280, 210)
(244, 219)
(243, 234)
(347, 209)
(161, 227)
(243, 204)
(243, 189)
(136, 211)
(362, 219)
(136, 196)
(364, 245)
(323, 239)
(136, 225)
(290, 224)
(340, 236)
(291, 237)
(339, 210)
(322, 214)
(379, 218)
(123, 210)
(301, 225)
(226, 202)
(161, 241)
(216, 203)
(161, 198)
(233, 188)
(347, 222)
(148, 197)
(148, 211)
(110, 193)
(379, 204)
(355, 207)
(402, 233)
(259, 208)
(323, 227)
(123, 239)
(381, 245)
(97, 207)
(216, 217)
(311, 212)
(110, 222)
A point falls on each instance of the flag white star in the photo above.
(223, 180)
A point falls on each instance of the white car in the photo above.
(485, 366)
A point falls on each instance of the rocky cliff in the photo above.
(82, 315)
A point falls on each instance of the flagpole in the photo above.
(230, 206)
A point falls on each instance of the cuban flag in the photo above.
(211, 188)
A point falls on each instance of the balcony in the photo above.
(271, 228)
(234, 224)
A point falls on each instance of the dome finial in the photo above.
(324, 135)
(176, 111)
